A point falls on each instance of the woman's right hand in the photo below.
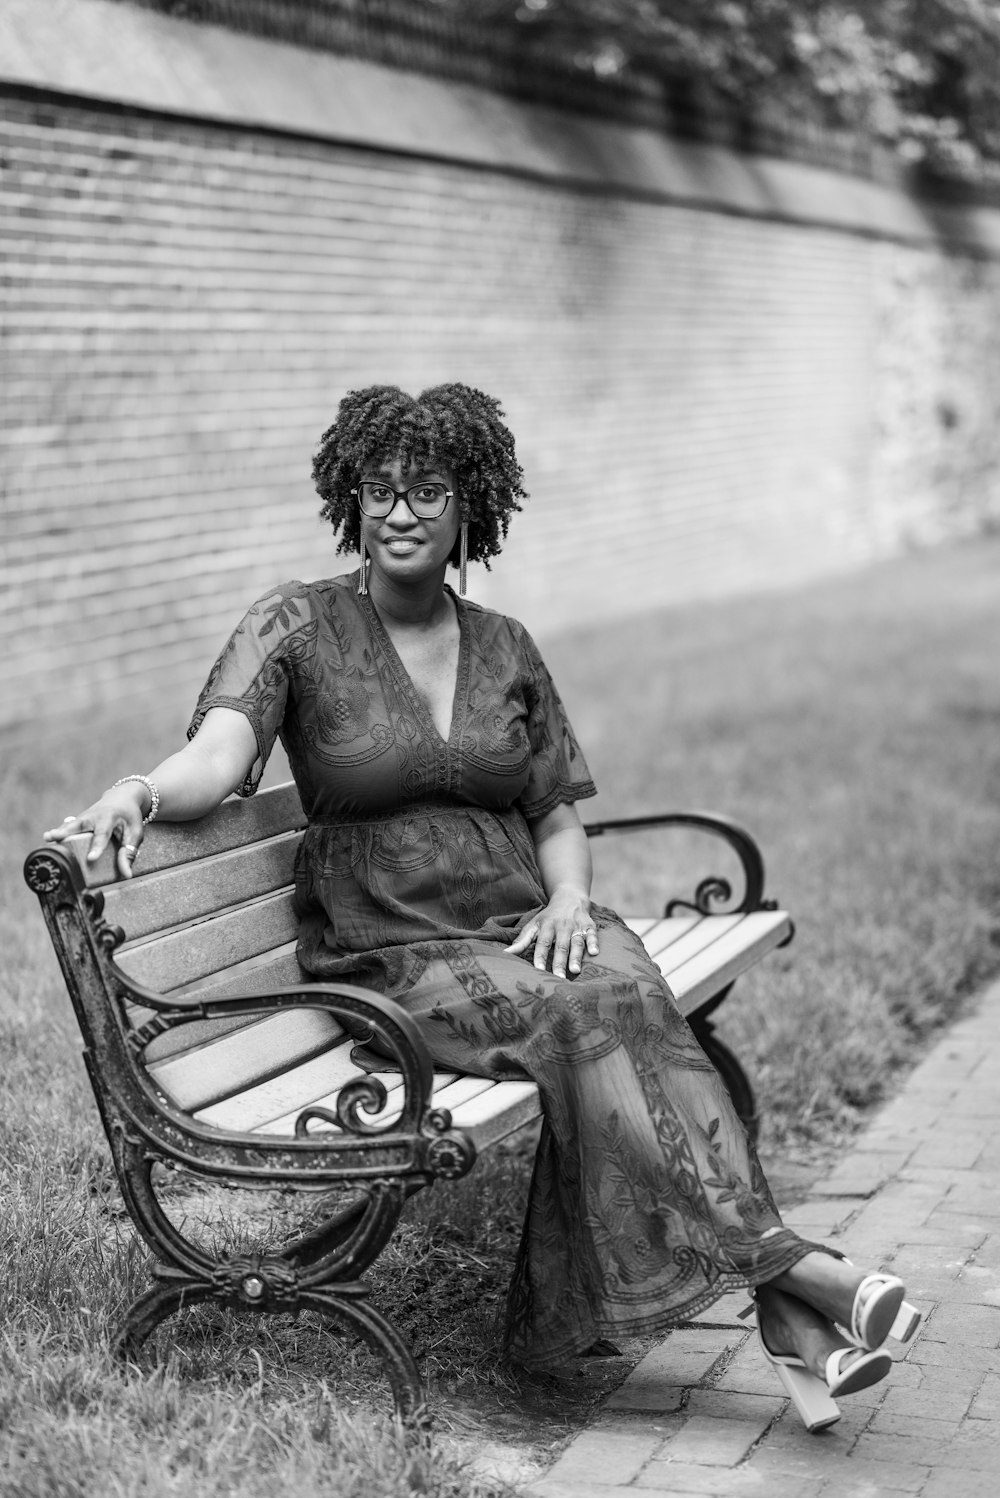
(115, 817)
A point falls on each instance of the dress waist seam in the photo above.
(418, 808)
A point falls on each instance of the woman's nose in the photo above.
(401, 513)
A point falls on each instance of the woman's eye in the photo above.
(379, 491)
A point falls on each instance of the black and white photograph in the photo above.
(500, 748)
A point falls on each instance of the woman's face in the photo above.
(403, 546)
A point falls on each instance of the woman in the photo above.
(445, 865)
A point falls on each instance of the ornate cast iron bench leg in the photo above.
(268, 1283)
(316, 1273)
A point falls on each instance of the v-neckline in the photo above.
(404, 678)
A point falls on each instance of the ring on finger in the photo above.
(70, 818)
(130, 848)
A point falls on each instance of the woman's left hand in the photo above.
(561, 933)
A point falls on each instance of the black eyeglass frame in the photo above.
(400, 494)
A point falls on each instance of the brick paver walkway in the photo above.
(919, 1194)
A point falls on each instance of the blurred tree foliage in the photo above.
(919, 76)
(922, 76)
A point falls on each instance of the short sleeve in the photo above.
(252, 673)
(558, 773)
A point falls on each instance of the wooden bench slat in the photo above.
(192, 952)
(488, 1112)
(289, 1092)
(232, 825)
(195, 891)
(731, 954)
(642, 924)
(491, 1116)
(449, 1092)
(392, 1081)
(278, 968)
(265, 1049)
(673, 940)
(192, 1036)
(284, 1123)
(461, 1090)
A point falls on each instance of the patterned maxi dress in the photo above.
(416, 871)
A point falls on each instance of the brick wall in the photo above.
(707, 396)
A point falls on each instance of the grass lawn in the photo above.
(853, 727)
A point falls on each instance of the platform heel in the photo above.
(814, 1404)
(907, 1320)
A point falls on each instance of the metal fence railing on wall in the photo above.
(508, 57)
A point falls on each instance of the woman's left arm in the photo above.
(564, 929)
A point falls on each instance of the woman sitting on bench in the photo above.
(445, 866)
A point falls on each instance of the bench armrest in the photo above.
(381, 1020)
(714, 891)
(139, 1116)
(419, 1140)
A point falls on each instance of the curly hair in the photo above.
(452, 426)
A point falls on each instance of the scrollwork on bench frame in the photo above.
(394, 1032)
(713, 892)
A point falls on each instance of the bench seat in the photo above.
(258, 1078)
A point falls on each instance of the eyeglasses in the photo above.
(424, 501)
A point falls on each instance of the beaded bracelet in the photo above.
(154, 795)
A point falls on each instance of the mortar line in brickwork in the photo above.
(550, 178)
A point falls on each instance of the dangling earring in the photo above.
(463, 554)
(363, 576)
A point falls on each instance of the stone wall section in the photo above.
(706, 400)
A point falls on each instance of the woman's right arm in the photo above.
(190, 783)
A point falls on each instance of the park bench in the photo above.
(208, 1049)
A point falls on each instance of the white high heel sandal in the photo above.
(811, 1397)
(814, 1397)
(880, 1310)
(869, 1369)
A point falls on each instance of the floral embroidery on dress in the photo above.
(569, 1012)
(344, 713)
(283, 611)
(417, 868)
